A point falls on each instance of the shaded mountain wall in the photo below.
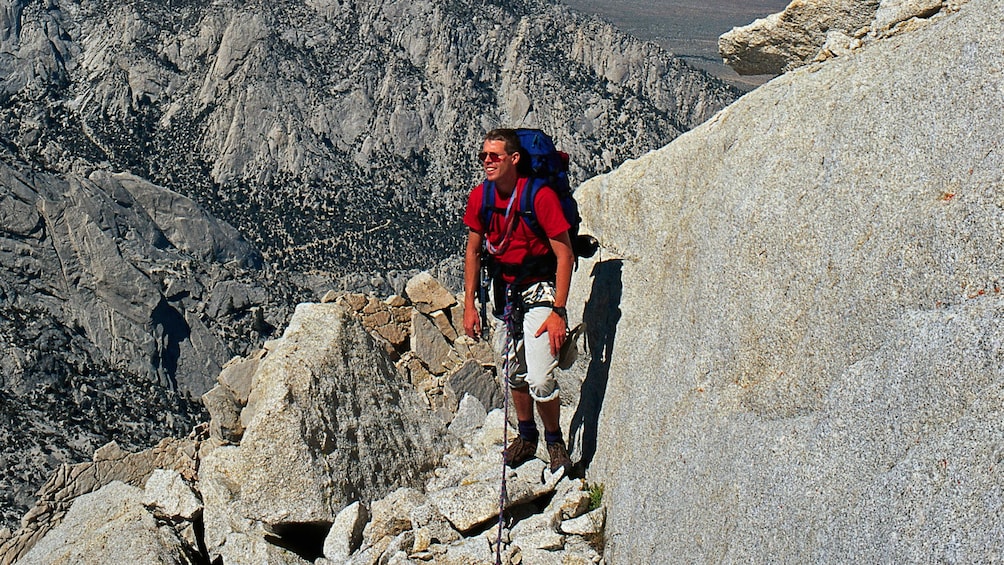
(342, 123)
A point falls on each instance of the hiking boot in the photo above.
(519, 451)
(559, 457)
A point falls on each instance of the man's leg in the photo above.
(550, 415)
(543, 387)
(523, 402)
(524, 446)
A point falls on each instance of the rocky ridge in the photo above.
(339, 457)
(824, 335)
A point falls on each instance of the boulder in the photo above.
(786, 40)
(430, 527)
(470, 416)
(475, 501)
(391, 515)
(427, 294)
(428, 343)
(109, 525)
(472, 378)
(168, 494)
(111, 463)
(225, 411)
(892, 12)
(328, 419)
(588, 524)
(346, 532)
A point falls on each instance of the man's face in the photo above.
(498, 165)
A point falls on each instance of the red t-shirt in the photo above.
(523, 243)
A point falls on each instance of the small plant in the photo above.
(595, 496)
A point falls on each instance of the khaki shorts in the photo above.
(529, 359)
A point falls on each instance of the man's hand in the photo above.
(472, 322)
(555, 327)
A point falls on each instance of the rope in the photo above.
(508, 227)
(507, 317)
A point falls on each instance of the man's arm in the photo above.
(472, 282)
(555, 325)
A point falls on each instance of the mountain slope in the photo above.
(338, 122)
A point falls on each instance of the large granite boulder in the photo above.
(329, 420)
(808, 363)
(793, 37)
(816, 30)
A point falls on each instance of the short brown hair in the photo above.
(512, 145)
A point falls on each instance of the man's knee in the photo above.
(544, 391)
(540, 390)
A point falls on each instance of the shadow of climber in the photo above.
(600, 315)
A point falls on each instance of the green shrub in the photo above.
(595, 496)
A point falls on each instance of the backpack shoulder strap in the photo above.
(487, 203)
(526, 205)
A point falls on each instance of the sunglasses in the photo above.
(493, 157)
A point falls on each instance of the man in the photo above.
(537, 273)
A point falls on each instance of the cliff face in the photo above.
(808, 352)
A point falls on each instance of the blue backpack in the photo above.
(547, 167)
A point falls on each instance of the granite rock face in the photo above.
(816, 30)
(811, 284)
(329, 420)
(93, 530)
(108, 298)
(111, 464)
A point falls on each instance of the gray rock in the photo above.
(69, 483)
(109, 526)
(471, 378)
(537, 532)
(182, 221)
(825, 345)
(789, 39)
(892, 12)
(168, 495)
(225, 411)
(469, 417)
(445, 325)
(430, 527)
(237, 375)
(427, 294)
(391, 515)
(588, 524)
(476, 501)
(428, 343)
(346, 533)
